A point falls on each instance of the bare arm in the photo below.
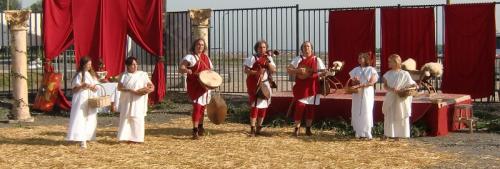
(248, 71)
(151, 87)
(291, 70)
(272, 69)
(183, 67)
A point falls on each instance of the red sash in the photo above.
(307, 87)
(194, 88)
(252, 80)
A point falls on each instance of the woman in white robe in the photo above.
(83, 118)
(134, 87)
(396, 110)
(365, 76)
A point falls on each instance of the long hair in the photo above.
(302, 47)
(366, 57)
(81, 64)
(193, 45)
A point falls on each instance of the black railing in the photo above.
(232, 35)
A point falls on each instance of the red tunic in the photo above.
(252, 80)
(194, 88)
(307, 87)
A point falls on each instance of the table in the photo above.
(436, 112)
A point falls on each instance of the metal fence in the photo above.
(232, 35)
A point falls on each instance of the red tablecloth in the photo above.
(438, 116)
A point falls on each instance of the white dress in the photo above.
(397, 110)
(133, 108)
(362, 102)
(83, 118)
(261, 103)
(205, 98)
(321, 66)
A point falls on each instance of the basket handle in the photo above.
(102, 88)
(347, 83)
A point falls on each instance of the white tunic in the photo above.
(363, 101)
(397, 110)
(133, 107)
(261, 103)
(192, 60)
(83, 118)
(321, 66)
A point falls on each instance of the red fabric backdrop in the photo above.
(98, 29)
(469, 56)
(409, 32)
(350, 33)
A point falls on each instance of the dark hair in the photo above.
(302, 46)
(367, 57)
(193, 46)
(83, 61)
(257, 45)
(130, 60)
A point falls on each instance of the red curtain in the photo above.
(469, 56)
(350, 33)
(98, 29)
(57, 16)
(409, 32)
(145, 27)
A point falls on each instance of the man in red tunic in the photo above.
(305, 68)
(192, 64)
(258, 68)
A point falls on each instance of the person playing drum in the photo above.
(192, 64)
(306, 70)
(258, 68)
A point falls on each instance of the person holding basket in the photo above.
(83, 118)
(134, 86)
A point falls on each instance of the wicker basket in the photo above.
(407, 92)
(100, 101)
(349, 89)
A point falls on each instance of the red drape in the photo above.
(98, 29)
(409, 32)
(145, 27)
(469, 57)
(57, 16)
(350, 33)
(86, 30)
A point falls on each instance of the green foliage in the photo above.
(37, 7)
(419, 129)
(165, 104)
(13, 4)
(487, 119)
(238, 114)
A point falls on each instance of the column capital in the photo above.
(17, 19)
(200, 17)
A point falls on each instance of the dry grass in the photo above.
(225, 146)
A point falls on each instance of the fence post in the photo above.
(297, 43)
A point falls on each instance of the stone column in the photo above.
(200, 22)
(17, 20)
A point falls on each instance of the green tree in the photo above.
(36, 7)
(13, 4)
